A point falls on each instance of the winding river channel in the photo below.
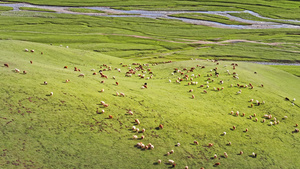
(109, 12)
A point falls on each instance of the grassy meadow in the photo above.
(69, 130)
(64, 130)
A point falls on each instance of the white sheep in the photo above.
(17, 70)
(178, 144)
(172, 151)
(159, 161)
(133, 128)
(45, 83)
(51, 93)
(92, 69)
(215, 156)
(224, 133)
(152, 146)
(26, 50)
(170, 81)
(137, 130)
(171, 161)
(143, 130)
(135, 136)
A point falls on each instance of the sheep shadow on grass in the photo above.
(48, 95)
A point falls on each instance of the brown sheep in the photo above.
(6, 65)
(66, 67)
(161, 126)
(24, 72)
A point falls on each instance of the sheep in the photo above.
(193, 96)
(171, 161)
(51, 93)
(102, 111)
(106, 105)
(135, 137)
(31, 62)
(81, 75)
(161, 126)
(67, 80)
(196, 142)
(263, 120)
(168, 153)
(250, 117)
(26, 50)
(294, 99)
(210, 144)
(296, 125)
(17, 70)
(159, 161)
(243, 114)
(297, 130)
(216, 164)
(231, 112)
(137, 121)
(229, 143)
(204, 91)
(186, 167)
(207, 86)
(133, 128)
(172, 151)
(246, 130)
(254, 115)
(94, 73)
(137, 130)
(224, 133)
(251, 105)
(32, 51)
(65, 67)
(256, 119)
(239, 92)
(142, 137)
(225, 154)
(241, 152)
(143, 130)
(122, 94)
(170, 81)
(237, 113)
(24, 72)
(130, 112)
(102, 90)
(215, 156)
(45, 83)
(191, 90)
(254, 154)
(271, 123)
(285, 117)
(110, 116)
(251, 100)
(233, 127)
(178, 144)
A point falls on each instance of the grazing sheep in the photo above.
(106, 105)
(171, 161)
(122, 94)
(161, 126)
(254, 154)
(229, 143)
(137, 121)
(225, 154)
(237, 113)
(94, 73)
(246, 130)
(26, 50)
(45, 83)
(51, 93)
(143, 130)
(191, 90)
(135, 137)
(24, 72)
(110, 116)
(81, 75)
(17, 70)
(102, 90)
(137, 130)
(250, 117)
(210, 144)
(67, 80)
(215, 156)
(102, 111)
(216, 164)
(204, 91)
(133, 128)
(193, 96)
(172, 151)
(233, 127)
(186, 167)
(178, 144)
(196, 142)
(254, 115)
(31, 62)
(170, 81)
(263, 120)
(168, 153)
(297, 130)
(271, 123)
(159, 161)
(243, 114)
(241, 152)
(32, 51)
(224, 133)
(256, 119)
(239, 92)
(142, 137)
(296, 125)
(231, 112)
(251, 100)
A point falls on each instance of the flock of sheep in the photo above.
(186, 75)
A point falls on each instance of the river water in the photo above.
(165, 14)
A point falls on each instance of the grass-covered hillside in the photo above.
(64, 130)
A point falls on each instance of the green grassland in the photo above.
(144, 38)
(35, 9)
(295, 70)
(5, 8)
(209, 17)
(64, 130)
